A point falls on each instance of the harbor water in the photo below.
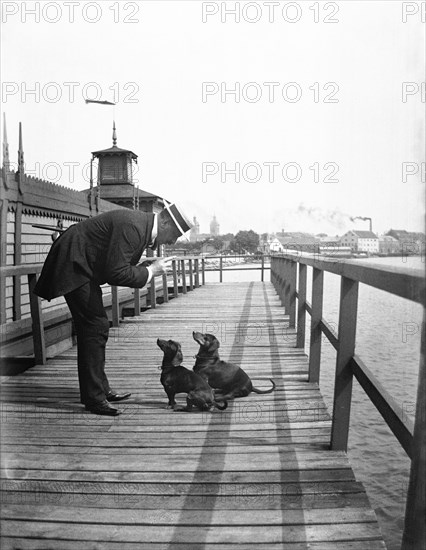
(388, 341)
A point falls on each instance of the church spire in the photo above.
(6, 160)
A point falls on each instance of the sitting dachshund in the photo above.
(229, 379)
(178, 379)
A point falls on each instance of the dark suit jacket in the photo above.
(104, 249)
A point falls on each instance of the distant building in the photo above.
(301, 242)
(195, 231)
(270, 244)
(214, 227)
(203, 237)
(389, 245)
(361, 241)
(410, 242)
(328, 240)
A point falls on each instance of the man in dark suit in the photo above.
(98, 250)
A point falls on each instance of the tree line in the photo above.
(244, 242)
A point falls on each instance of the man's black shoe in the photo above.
(103, 407)
(117, 396)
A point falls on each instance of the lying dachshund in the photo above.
(229, 379)
(178, 379)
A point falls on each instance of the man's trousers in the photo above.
(92, 327)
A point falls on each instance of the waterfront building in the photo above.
(388, 245)
(299, 241)
(410, 242)
(269, 244)
(361, 241)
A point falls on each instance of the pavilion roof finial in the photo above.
(114, 135)
(20, 151)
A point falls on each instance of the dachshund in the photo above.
(229, 379)
(177, 379)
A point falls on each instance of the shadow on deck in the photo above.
(256, 475)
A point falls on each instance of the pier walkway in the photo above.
(258, 475)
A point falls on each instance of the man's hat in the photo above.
(179, 219)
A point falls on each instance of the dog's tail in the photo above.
(256, 390)
(221, 407)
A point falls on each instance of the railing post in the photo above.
(286, 286)
(175, 279)
(37, 323)
(115, 307)
(137, 301)
(3, 256)
(17, 261)
(415, 509)
(152, 294)
(165, 288)
(292, 279)
(262, 273)
(316, 316)
(203, 271)
(273, 272)
(221, 269)
(197, 273)
(191, 275)
(301, 305)
(281, 281)
(184, 289)
(343, 381)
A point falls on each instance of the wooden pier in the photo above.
(258, 475)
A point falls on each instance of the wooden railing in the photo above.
(31, 271)
(187, 273)
(184, 277)
(289, 276)
(224, 263)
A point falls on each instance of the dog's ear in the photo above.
(174, 345)
(213, 341)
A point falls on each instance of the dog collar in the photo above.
(205, 357)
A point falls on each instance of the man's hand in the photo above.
(158, 267)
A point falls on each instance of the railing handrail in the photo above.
(218, 256)
(400, 281)
(22, 269)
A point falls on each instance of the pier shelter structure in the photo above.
(32, 212)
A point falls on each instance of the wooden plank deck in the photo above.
(256, 475)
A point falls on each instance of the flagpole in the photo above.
(98, 187)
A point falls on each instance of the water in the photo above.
(388, 341)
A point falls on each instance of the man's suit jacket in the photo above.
(104, 249)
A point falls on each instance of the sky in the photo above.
(280, 115)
